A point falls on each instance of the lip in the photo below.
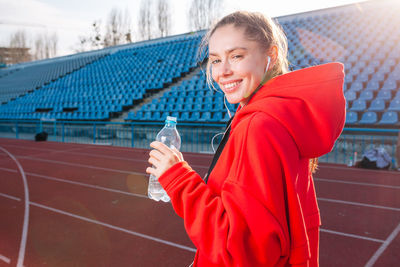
(233, 88)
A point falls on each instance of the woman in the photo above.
(258, 206)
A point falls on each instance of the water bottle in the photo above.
(170, 137)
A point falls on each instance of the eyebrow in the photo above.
(230, 50)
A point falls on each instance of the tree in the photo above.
(118, 29)
(203, 13)
(163, 18)
(18, 45)
(145, 22)
(45, 46)
(18, 39)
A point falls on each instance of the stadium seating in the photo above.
(101, 85)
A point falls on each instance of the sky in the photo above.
(73, 18)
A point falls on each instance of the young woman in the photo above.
(257, 206)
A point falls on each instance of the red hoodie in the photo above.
(259, 206)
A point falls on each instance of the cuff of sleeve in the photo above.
(173, 173)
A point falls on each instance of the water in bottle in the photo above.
(170, 137)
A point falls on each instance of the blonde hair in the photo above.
(257, 27)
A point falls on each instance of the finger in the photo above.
(150, 170)
(160, 147)
(153, 161)
(156, 154)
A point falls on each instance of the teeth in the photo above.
(230, 85)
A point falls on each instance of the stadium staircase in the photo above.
(156, 96)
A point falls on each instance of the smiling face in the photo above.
(237, 64)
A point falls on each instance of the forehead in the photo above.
(227, 37)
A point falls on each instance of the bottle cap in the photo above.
(170, 119)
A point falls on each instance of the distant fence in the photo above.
(196, 137)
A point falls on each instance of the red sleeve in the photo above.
(246, 224)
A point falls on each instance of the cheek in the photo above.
(214, 73)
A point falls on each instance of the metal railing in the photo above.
(196, 137)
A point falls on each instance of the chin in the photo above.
(233, 100)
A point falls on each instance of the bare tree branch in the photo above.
(145, 22)
(163, 18)
(203, 13)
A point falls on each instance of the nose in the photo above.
(226, 68)
(223, 69)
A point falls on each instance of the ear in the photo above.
(273, 54)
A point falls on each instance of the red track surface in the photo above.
(88, 208)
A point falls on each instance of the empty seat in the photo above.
(389, 117)
(384, 94)
(389, 85)
(372, 86)
(195, 116)
(217, 117)
(359, 105)
(350, 95)
(366, 95)
(184, 116)
(356, 86)
(206, 116)
(351, 117)
(377, 105)
(394, 105)
(369, 117)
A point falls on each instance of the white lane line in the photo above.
(382, 248)
(78, 183)
(80, 165)
(106, 225)
(5, 259)
(144, 196)
(87, 185)
(10, 197)
(172, 244)
(21, 254)
(351, 235)
(357, 183)
(357, 204)
(168, 242)
(72, 151)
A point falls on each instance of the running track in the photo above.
(85, 205)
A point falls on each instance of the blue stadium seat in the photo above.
(226, 116)
(366, 95)
(350, 95)
(206, 116)
(389, 85)
(359, 105)
(351, 117)
(185, 116)
(377, 105)
(195, 116)
(372, 86)
(217, 117)
(389, 117)
(384, 94)
(369, 117)
(394, 105)
(356, 86)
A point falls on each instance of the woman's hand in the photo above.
(162, 158)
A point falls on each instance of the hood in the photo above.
(309, 103)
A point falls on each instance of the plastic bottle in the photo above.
(170, 137)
